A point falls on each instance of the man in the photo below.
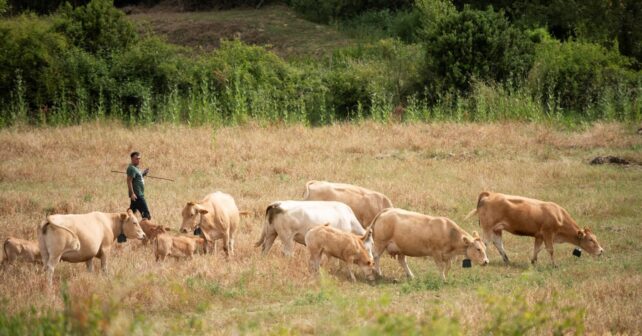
(136, 186)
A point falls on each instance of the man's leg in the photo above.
(142, 207)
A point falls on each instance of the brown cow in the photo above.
(365, 203)
(80, 238)
(547, 222)
(176, 246)
(405, 233)
(346, 246)
(20, 249)
(218, 217)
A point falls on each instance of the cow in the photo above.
(291, 220)
(20, 249)
(365, 203)
(176, 246)
(350, 248)
(218, 217)
(547, 222)
(405, 233)
(151, 230)
(80, 238)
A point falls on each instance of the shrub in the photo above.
(328, 10)
(579, 76)
(474, 44)
(379, 24)
(97, 27)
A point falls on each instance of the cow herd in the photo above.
(347, 222)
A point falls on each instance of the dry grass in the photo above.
(433, 168)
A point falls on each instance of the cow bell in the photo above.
(122, 238)
(466, 263)
(577, 252)
(198, 231)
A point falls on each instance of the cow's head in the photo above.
(475, 249)
(130, 226)
(191, 213)
(155, 231)
(588, 242)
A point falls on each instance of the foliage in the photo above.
(579, 76)
(474, 44)
(326, 11)
(380, 24)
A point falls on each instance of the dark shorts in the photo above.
(140, 205)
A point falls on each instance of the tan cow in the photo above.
(80, 238)
(20, 249)
(216, 215)
(405, 233)
(346, 246)
(365, 203)
(547, 222)
(176, 246)
(151, 230)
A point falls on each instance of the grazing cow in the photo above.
(291, 220)
(20, 249)
(216, 215)
(151, 230)
(365, 203)
(405, 233)
(547, 222)
(346, 246)
(176, 246)
(80, 238)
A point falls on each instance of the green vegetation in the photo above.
(433, 58)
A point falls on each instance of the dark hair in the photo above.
(134, 154)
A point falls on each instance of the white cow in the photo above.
(291, 220)
(80, 238)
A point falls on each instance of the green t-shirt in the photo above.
(138, 183)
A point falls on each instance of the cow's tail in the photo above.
(48, 223)
(374, 220)
(480, 203)
(306, 192)
(271, 211)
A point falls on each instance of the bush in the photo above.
(581, 77)
(97, 27)
(380, 24)
(329, 10)
(474, 44)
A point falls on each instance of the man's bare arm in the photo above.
(130, 186)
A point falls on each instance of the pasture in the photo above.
(437, 169)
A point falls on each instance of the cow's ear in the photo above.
(167, 229)
(191, 203)
(587, 230)
(476, 235)
(124, 215)
(581, 234)
(202, 211)
(467, 240)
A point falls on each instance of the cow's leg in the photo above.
(445, 267)
(402, 261)
(90, 265)
(538, 247)
(288, 245)
(50, 265)
(548, 242)
(315, 260)
(497, 241)
(227, 246)
(103, 260)
(349, 263)
(376, 255)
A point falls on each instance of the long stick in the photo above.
(150, 176)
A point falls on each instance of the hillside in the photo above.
(276, 27)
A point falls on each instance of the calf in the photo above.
(547, 222)
(343, 245)
(20, 249)
(176, 246)
(151, 230)
(405, 233)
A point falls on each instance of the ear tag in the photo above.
(198, 231)
(466, 263)
(577, 252)
(122, 238)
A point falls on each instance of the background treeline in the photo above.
(528, 60)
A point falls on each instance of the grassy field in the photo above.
(437, 169)
(277, 27)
